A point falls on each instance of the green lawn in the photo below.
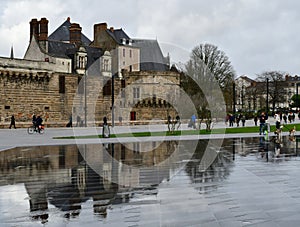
(252, 129)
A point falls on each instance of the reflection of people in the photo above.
(12, 122)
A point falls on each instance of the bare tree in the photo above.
(215, 60)
(213, 74)
(276, 86)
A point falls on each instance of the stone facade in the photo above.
(149, 96)
(59, 79)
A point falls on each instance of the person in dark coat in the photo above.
(104, 120)
(38, 122)
(12, 122)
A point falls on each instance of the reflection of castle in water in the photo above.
(65, 177)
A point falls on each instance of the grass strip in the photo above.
(233, 130)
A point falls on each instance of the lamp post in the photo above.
(242, 97)
(85, 105)
(113, 99)
(233, 96)
(297, 101)
(267, 99)
(85, 94)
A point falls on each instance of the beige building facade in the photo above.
(65, 74)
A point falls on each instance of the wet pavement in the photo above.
(201, 180)
(81, 185)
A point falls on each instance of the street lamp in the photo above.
(233, 96)
(297, 101)
(267, 99)
(85, 104)
(113, 99)
(85, 93)
(242, 97)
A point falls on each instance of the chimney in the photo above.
(98, 29)
(111, 29)
(34, 28)
(43, 29)
(75, 34)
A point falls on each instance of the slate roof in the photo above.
(59, 46)
(62, 33)
(151, 56)
(59, 49)
(118, 35)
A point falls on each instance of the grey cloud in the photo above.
(256, 35)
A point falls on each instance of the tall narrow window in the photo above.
(136, 92)
(106, 65)
(124, 52)
(62, 84)
(123, 83)
(130, 53)
(107, 88)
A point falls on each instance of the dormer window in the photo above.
(81, 59)
(106, 65)
(81, 62)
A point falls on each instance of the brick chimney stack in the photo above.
(75, 34)
(43, 29)
(99, 30)
(34, 28)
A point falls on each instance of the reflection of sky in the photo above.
(13, 199)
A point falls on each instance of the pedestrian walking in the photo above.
(255, 120)
(193, 120)
(78, 121)
(243, 120)
(178, 121)
(284, 118)
(105, 130)
(262, 122)
(12, 122)
(231, 120)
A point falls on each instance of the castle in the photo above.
(65, 74)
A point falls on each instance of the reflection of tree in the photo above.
(206, 180)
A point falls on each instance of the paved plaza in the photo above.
(241, 188)
(10, 138)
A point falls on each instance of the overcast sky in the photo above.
(256, 35)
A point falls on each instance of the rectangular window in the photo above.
(123, 83)
(62, 84)
(106, 65)
(136, 92)
(107, 88)
(130, 53)
(124, 52)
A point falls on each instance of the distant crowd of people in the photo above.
(261, 119)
